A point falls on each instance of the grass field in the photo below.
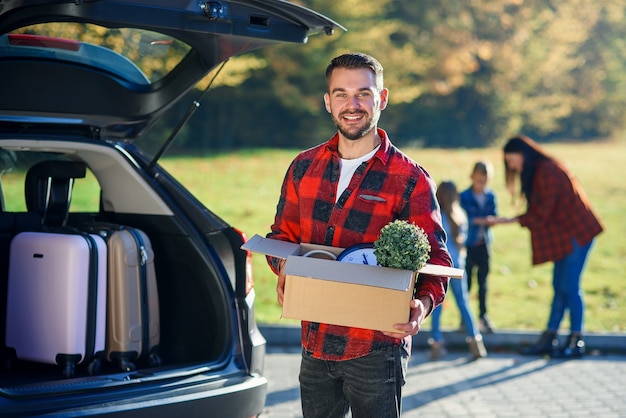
(243, 188)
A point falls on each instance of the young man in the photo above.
(341, 193)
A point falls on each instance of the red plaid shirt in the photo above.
(558, 211)
(387, 187)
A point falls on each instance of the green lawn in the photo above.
(243, 188)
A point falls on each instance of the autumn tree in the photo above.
(471, 73)
(461, 73)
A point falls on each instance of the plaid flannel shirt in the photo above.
(558, 211)
(387, 187)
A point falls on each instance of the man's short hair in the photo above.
(355, 60)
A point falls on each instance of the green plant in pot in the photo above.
(402, 245)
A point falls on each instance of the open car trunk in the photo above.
(196, 261)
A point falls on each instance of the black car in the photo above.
(79, 82)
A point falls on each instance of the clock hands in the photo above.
(358, 254)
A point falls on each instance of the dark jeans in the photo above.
(478, 258)
(370, 386)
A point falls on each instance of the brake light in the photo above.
(249, 273)
(23, 39)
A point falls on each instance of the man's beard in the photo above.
(356, 132)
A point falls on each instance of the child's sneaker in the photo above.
(437, 350)
(485, 325)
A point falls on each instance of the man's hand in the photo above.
(419, 308)
(280, 285)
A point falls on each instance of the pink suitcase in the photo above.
(56, 308)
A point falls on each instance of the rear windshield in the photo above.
(14, 166)
(153, 55)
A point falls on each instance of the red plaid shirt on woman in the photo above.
(558, 211)
(389, 186)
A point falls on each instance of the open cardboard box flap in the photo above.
(283, 249)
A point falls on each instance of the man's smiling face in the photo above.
(354, 101)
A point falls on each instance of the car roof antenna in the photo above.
(194, 106)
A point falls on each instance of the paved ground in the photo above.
(503, 385)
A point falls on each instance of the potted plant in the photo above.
(402, 245)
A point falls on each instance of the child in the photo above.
(479, 203)
(455, 225)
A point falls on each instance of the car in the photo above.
(82, 82)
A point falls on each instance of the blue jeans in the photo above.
(567, 292)
(370, 386)
(461, 297)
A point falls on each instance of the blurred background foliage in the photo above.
(461, 74)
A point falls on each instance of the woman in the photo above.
(562, 226)
(455, 224)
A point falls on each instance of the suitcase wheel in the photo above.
(94, 367)
(68, 363)
(68, 370)
(154, 360)
(127, 366)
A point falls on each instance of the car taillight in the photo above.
(249, 273)
(23, 39)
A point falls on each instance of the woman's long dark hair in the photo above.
(448, 198)
(532, 153)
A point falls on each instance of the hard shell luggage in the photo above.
(56, 308)
(133, 327)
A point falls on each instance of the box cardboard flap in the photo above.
(271, 247)
(284, 249)
(387, 278)
(435, 270)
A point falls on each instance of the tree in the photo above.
(461, 73)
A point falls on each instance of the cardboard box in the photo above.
(332, 292)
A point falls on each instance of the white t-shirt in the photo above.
(347, 169)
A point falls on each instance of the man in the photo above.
(342, 193)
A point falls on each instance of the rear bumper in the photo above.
(242, 398)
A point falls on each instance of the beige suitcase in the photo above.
(133, 329)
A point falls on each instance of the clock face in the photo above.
(359, 254)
